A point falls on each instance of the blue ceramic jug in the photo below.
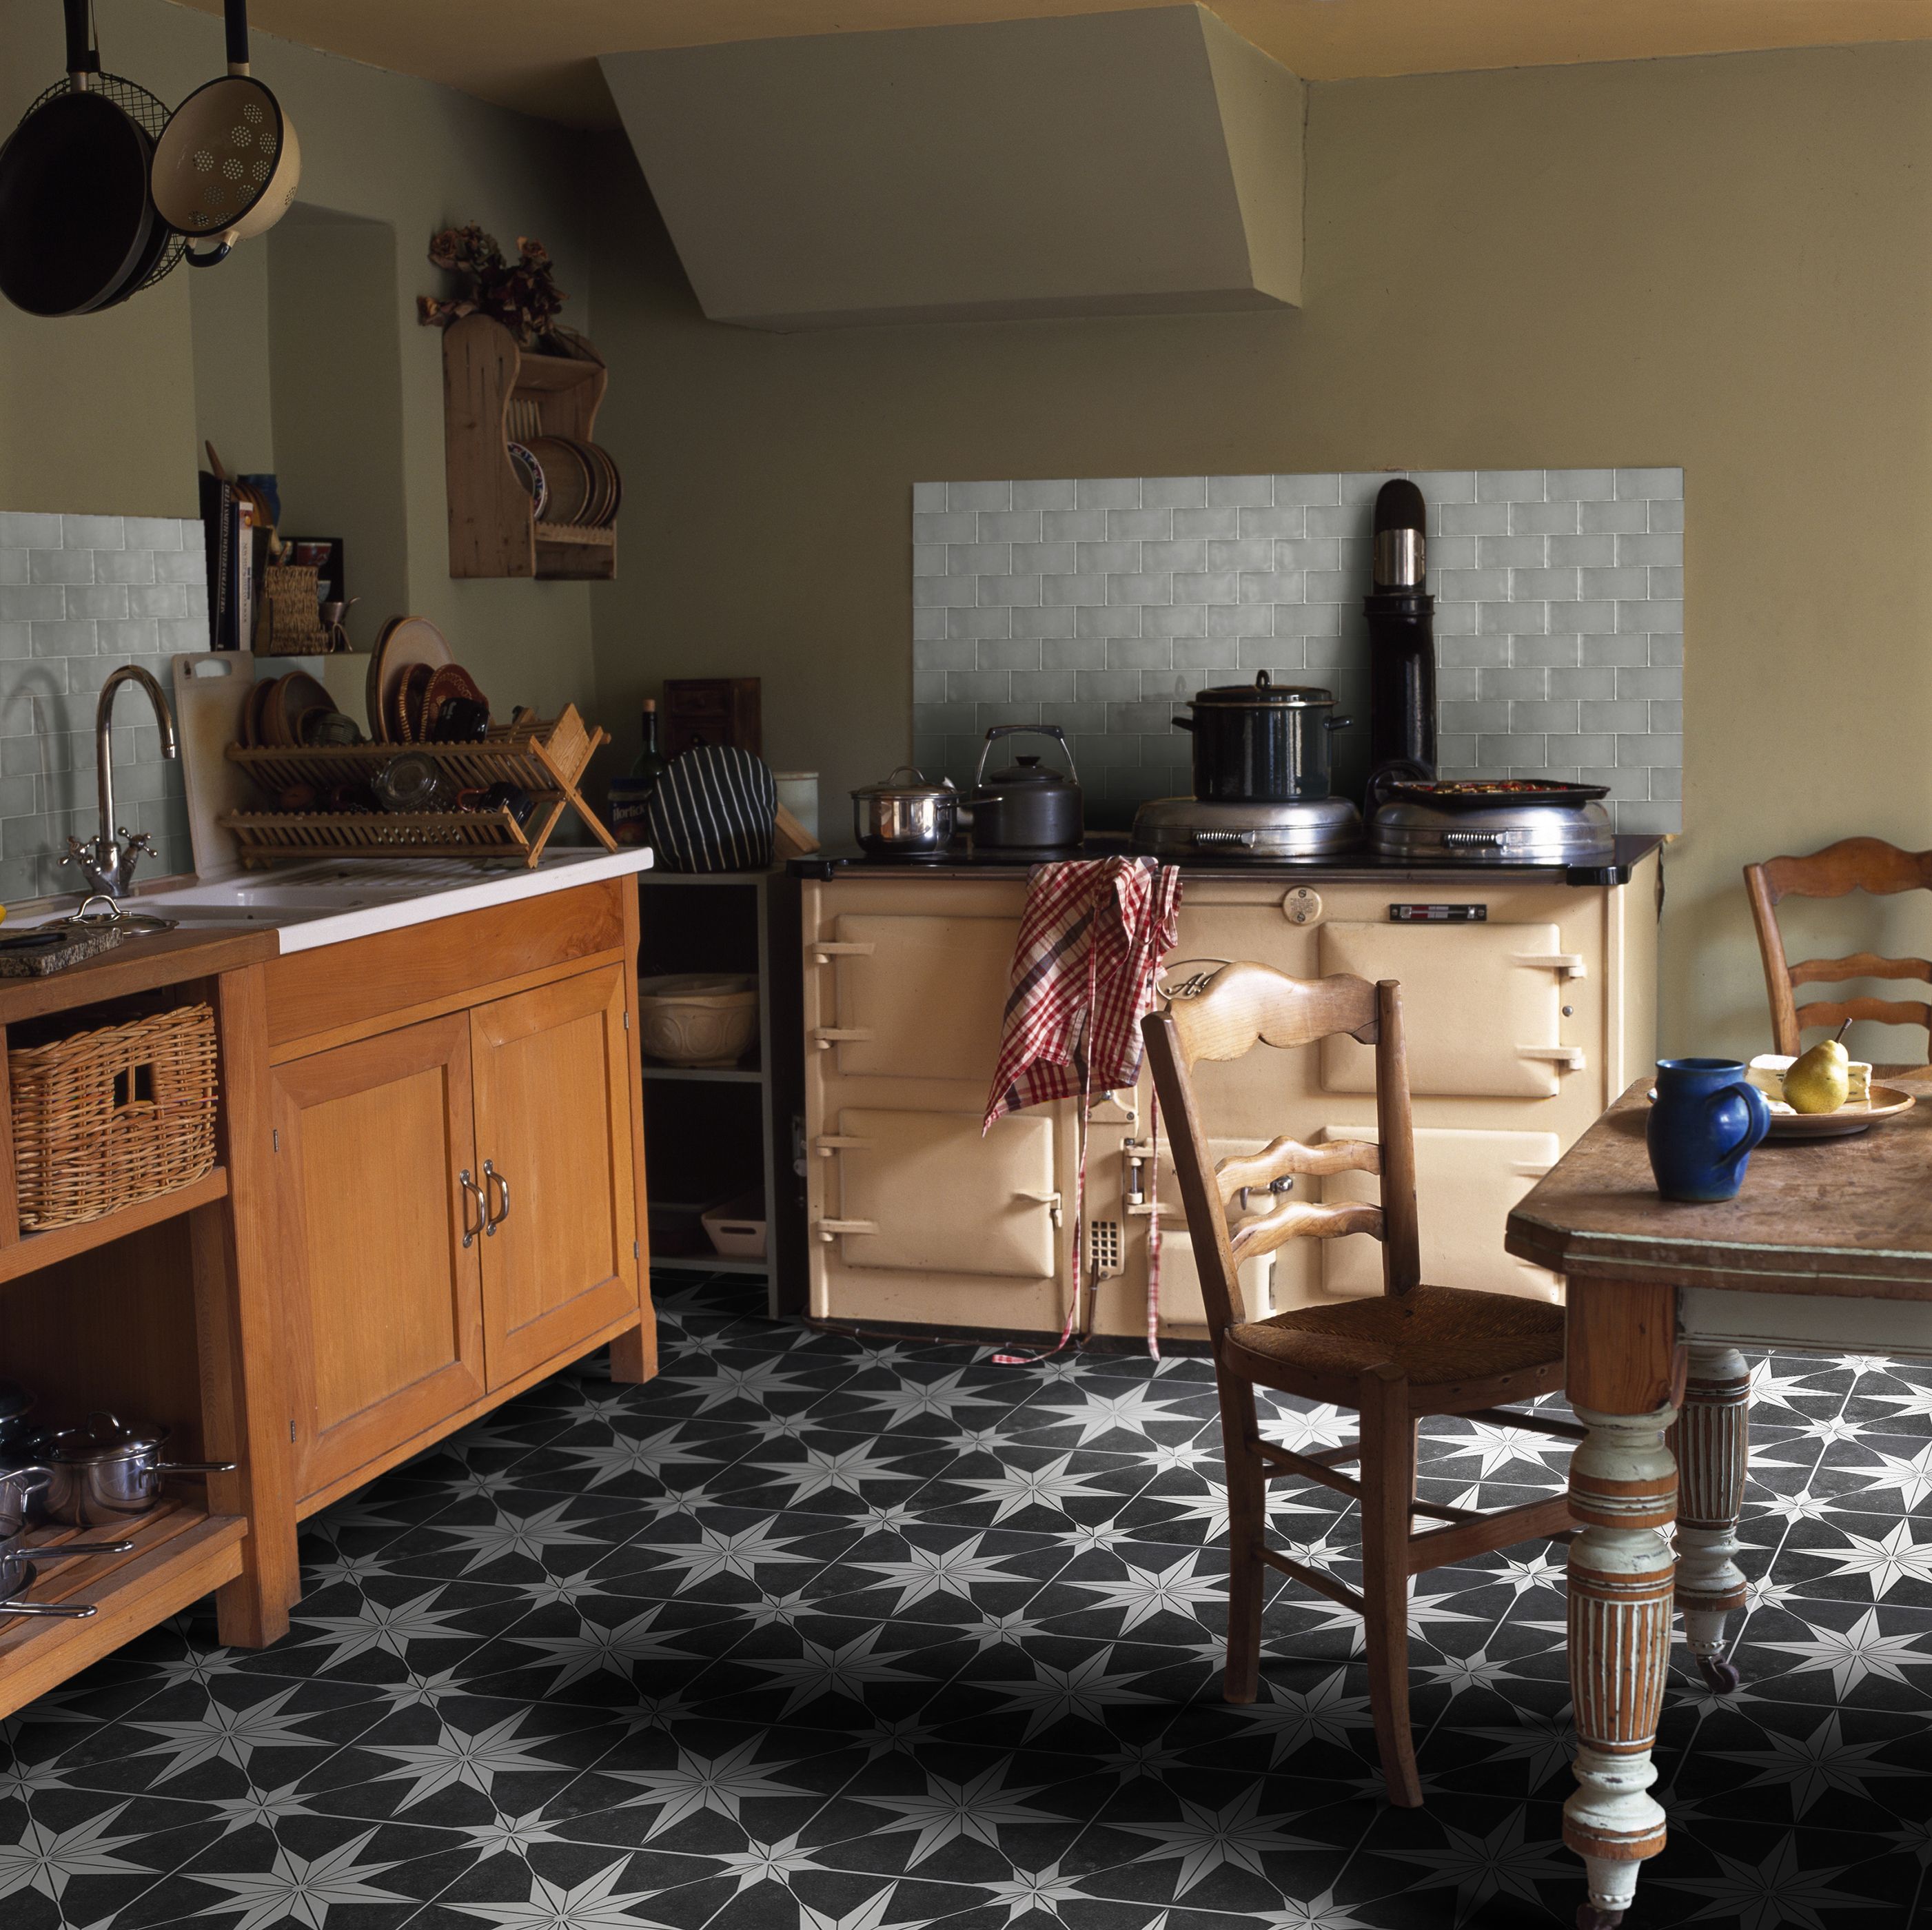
(1704, 1121)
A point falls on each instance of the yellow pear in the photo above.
(1818, 1080)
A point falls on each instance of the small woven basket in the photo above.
(107, 1117)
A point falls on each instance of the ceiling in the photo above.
(539, 56)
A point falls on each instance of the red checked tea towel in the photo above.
(1091, 940)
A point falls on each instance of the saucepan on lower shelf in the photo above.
(108, 1470)
(23, 1487)
(18, 1570)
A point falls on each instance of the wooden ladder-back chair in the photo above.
(1411, 1351)
(1853, 864)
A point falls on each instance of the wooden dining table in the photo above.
(1827, 1247)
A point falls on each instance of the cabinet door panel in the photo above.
(383, 1302)
(553, 1119)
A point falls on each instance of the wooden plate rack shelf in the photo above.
(492, 531)
(546, 761)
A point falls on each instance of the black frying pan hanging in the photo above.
(77, 223)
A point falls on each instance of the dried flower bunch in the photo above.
(523, 295)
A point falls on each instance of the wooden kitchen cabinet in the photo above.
(458, 1173)
(382, 1279)
(553, 1132)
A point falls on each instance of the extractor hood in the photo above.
(1132, 163)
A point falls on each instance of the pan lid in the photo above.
(103, 1437)
(1027, 773)
(917, 784)
(1264, 690)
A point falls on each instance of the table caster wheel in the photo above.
(1589, 1917)
(1722, 1676)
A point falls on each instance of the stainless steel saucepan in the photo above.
(905, 814)
(108, 1470)
(23, 1486)
(19, 1565)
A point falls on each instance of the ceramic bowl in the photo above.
(698, 1019)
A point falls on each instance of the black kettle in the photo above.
(1026, 808)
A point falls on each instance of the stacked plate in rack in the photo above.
(569, 481)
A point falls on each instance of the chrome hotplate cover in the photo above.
(1186, 828)
(1532, 834)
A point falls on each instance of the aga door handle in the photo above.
(826, 1037)
(829, 1230)
(1571, 964)
(491, 1222)
(472, 1191)
(1571, 1058)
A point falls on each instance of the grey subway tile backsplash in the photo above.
(1558, 617)
(80, 596)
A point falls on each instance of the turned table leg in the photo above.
(1621, 1350)
(1709, 1443)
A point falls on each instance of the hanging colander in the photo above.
(226, 166)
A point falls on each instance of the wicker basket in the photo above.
(107, 1117)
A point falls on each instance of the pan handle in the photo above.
(197, 1467)
(205, 260)
(71, 1548)
(71, 1611)
(234, 17)
(78, 65)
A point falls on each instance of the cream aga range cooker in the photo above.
(1529, 993)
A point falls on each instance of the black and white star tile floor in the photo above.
(812, 1633)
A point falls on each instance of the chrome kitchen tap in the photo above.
(108, 859)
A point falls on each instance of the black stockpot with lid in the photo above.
(1262, 742)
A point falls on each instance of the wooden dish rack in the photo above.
(546, 761)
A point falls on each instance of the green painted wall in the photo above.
(1725, 263)
(100, 413)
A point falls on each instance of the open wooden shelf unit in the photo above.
(181, 1553)
(30, 1252)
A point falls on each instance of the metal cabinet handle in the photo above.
(472, 1191)
(491, 1224)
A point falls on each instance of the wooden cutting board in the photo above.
(210, 687)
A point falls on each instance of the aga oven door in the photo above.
(923, 1194)
(1467, 1180)
(1482, 1006)
(918, 997)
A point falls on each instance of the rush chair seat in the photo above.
(1853, 864)
(1413, 1350)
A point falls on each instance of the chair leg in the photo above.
(1247, 1528)
(1388, 1477)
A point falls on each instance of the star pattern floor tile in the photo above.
(816, 1633)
